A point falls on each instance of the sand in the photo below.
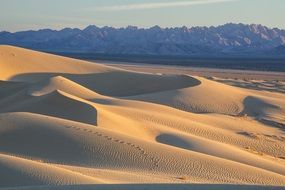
(71, 124)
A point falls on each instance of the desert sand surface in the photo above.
(197, 71)
(71, 124)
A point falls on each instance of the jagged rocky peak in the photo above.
(234, 38)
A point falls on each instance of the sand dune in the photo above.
(154, 187)
(29, 172)
(16, 62)
(70, 123)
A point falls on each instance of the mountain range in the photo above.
(228, 39)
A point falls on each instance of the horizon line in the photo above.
(138, 27)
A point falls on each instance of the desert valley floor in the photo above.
(71, 124)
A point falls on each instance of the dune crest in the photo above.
(67, 122)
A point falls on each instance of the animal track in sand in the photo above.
(259, 136)
(141, 150)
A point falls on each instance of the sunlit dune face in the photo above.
(70, 122)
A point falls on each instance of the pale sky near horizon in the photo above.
(18, 15)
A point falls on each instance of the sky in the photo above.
(19, 15)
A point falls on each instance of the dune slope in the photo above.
(69, 123)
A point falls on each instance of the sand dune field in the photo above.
(71, 124)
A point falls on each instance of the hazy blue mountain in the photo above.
(228, 39)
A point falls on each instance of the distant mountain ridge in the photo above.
(228, 39)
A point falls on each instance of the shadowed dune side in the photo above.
(257, 107)
(57, 104)
(267, 110)
(72, 143)
(65, 122)
(30, 66)
(129, 83)
(60, 83)
(85, 145)
(208, 97)
(8, 88)
(154, 119)
(15, 61)
(118, 83)
(221, 150)
(147, 120)
(214, 97)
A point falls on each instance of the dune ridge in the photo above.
(70, 122)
